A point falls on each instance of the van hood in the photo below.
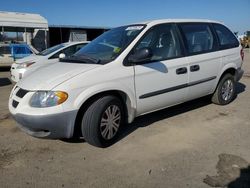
(48, 77)
(29, 58)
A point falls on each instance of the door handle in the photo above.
(182, 70)
(194, 68)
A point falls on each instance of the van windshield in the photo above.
(108, 46)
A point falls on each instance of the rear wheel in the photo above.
(102, 121)
(225, 91)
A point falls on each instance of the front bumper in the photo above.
(52, 122)
(47, 126)
(239, 74)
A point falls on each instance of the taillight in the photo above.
(242, 54)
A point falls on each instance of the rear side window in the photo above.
(72, 49)
(69, 51)
(198, 37)
(226, 38)
(79, 46)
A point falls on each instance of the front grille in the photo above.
(21, 93)
(15, 103)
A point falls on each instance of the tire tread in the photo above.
(90, 120)
(216, 96)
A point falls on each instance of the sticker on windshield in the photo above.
(117, 50)
(134, 28)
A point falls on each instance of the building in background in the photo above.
(33, 30)
(68, 33)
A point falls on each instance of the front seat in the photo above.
(166, 47)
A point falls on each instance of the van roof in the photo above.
(153, 22)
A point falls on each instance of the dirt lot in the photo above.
(176, 147)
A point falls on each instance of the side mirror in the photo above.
(62, 55)
(141, 55)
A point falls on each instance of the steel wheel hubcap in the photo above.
(227, 90)
(110, 122)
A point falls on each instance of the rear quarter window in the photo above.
(226, 38)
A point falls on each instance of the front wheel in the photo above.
(102, 121)
(225, 91)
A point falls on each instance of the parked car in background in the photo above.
(127, 72)
(23, 66)
(9, 53)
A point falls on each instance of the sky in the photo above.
(111, 13)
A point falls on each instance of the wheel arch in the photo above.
(126, 100)
(229, 68)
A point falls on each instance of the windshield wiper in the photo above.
(81, 59)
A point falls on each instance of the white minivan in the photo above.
(127, 72)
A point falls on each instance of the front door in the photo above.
(161, 81)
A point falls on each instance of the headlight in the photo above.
(24, 65)
(42, 99)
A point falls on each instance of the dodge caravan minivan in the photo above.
(127, 72)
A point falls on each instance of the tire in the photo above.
(98, 128)
(225, 91)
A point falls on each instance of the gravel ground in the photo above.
(190, 145)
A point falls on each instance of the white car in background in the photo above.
(23, 66)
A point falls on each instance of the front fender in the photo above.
(109, 86)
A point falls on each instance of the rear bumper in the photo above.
(239, 74)
(52, 126)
